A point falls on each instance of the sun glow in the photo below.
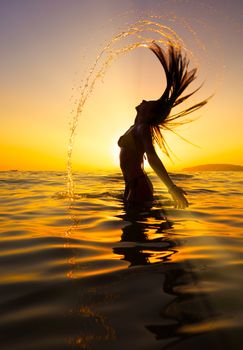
(115, 154)
(38, 80)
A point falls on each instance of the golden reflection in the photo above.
(13, 278)
(108, 330)
(76, 273)
(101, 329)
(209, 326)
(147, 238)
(105, 267)
(191, 256)
(200, 287)
(236, 262)
(112, 253)
(85, 340)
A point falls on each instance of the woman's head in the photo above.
(152, 112)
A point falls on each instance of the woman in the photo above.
(152, 116)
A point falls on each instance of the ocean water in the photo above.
(89, 275)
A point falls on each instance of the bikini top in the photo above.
(127, 140)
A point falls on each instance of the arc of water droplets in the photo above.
(166, 35)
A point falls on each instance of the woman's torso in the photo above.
(131, 154)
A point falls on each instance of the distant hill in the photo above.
(215, 167)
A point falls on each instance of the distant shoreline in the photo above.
(215, 167)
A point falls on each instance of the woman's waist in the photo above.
(131, 174)
(131, 158)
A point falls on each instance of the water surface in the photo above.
(89, 275)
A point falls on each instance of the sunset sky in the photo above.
(47, 48)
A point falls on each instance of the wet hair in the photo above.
(178, 78)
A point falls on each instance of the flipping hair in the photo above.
(178, 78)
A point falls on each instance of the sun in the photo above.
(115, 151)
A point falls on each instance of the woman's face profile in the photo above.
(145, 107)
(147, 110)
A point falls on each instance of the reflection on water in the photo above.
(187, 313)
(149, 235)
(94, 276)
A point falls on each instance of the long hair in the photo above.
(178, 78)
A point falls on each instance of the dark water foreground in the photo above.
(91, 276)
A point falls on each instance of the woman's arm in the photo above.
(177, 193)
(156, 164)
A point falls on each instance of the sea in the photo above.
(88, 273)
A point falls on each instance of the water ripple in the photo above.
(88, 268)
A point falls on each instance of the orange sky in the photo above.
(46, 49)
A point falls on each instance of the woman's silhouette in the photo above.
(152, 116)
